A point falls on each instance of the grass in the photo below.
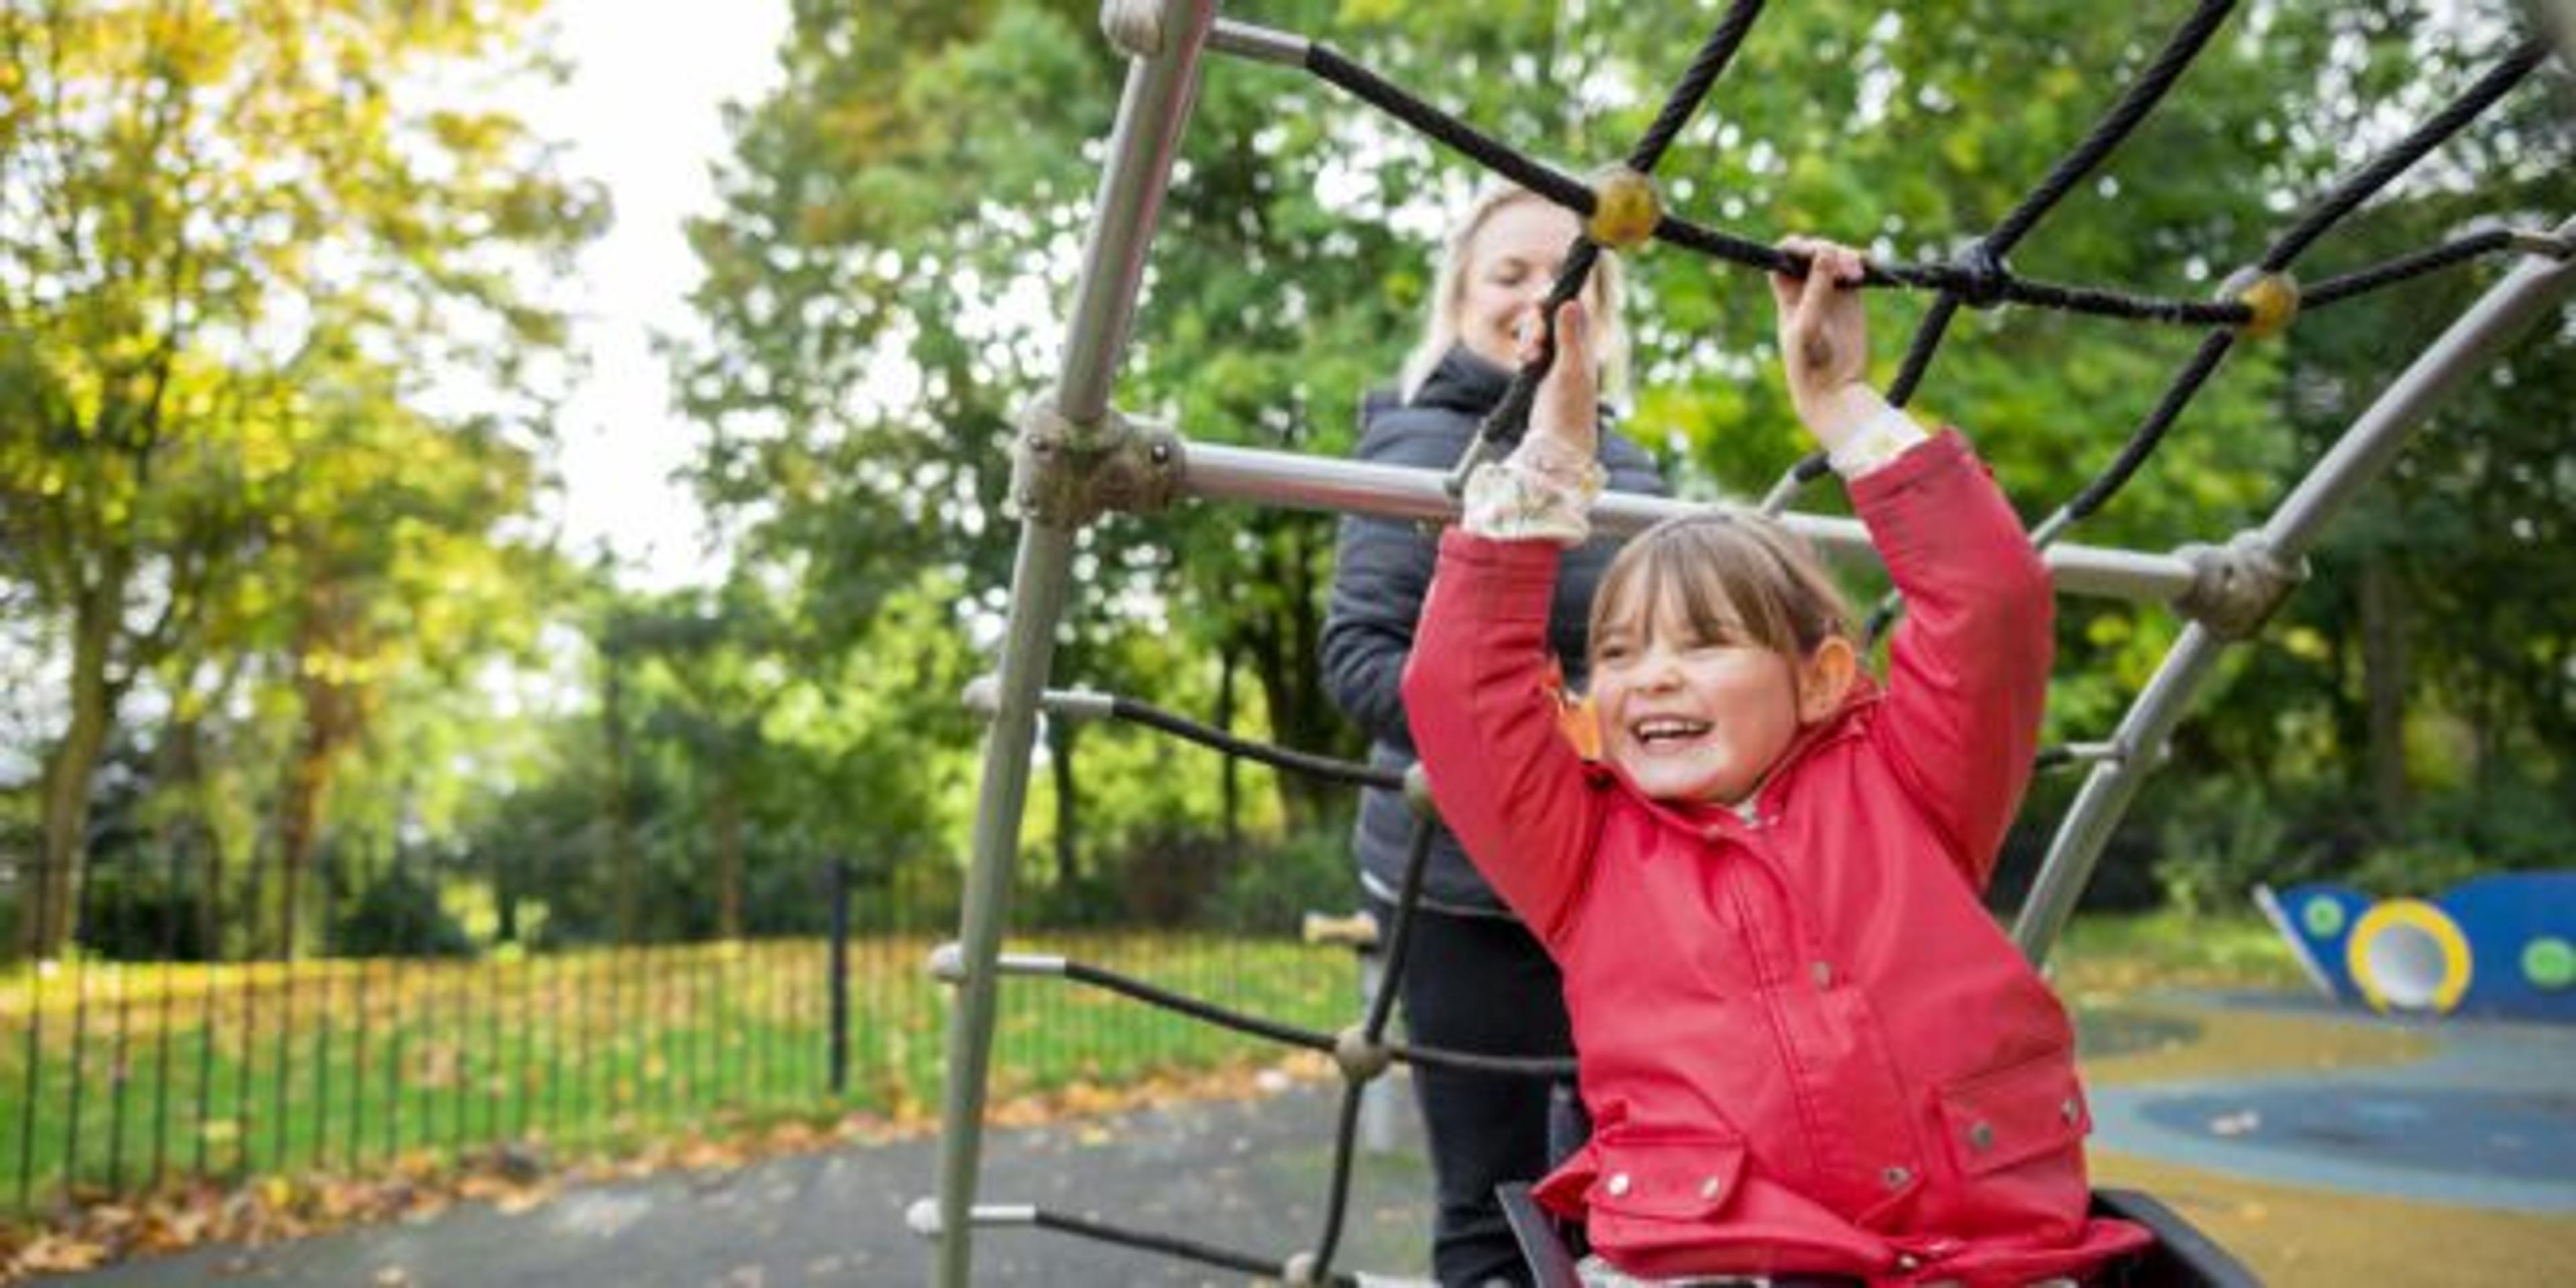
(2130, 954)
(147, 1073)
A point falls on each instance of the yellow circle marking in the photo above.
(2417, 915)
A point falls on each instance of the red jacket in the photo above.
(1805, 1044)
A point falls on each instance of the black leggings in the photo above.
(1481, 984)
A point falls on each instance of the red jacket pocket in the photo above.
(2014, 1114)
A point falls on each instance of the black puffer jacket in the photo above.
(1382, 567)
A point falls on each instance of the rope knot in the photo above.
(2270, 297)
(1625, 208)
(1982, 276)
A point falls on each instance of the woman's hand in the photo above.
(1824, 341)
(1565, 415)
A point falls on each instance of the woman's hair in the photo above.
(1733, 579)
(1440, 330)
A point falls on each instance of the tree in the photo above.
(396, 561)
(198, 198)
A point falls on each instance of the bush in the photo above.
(136, 911)
(1271, 887)
(399, 915)
(2217, 839)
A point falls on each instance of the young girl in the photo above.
(1806, 1048)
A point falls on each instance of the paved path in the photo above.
(2488, 1123)
(1246, 1175)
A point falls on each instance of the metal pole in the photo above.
(1151, 115)
(1217, 472)
(838, 976)
(2531, 290)
(1037, 601)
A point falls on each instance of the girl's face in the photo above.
(1693, 719)
(1511, 262)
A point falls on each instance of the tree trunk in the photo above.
(505, 899)
(53, 920)
(1061, 734)
(729, 846)
(622, 867)
(335, 714)
(1230, 784)
(1283, 644)
(2384, 667)
(299, 809)
(210, 897)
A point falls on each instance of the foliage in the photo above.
(259, 577)
(1271, 889)
(400, 914)
(1290, 259)
(233, 236)
(2220, 838)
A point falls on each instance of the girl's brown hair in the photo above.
(1734, 579)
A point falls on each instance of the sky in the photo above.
(640, 114)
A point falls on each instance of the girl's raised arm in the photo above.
(1480, 689)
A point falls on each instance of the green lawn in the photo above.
(240, 1071)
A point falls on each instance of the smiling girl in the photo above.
(1807, 1050)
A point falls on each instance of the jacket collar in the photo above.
(1470, 385)
(1463, 382)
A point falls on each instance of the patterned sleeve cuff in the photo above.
(1541, 492)
(1888, 435)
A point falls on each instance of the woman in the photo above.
(1476, 980)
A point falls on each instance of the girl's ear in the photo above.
(1824, 677)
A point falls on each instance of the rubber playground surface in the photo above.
(2322, 1147)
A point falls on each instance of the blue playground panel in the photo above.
(2501, 945)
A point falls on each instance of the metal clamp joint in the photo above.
(1066, 475)
(2235, 588)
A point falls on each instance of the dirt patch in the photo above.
(2169, 1042)
(2294, 1237)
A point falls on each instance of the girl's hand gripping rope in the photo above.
(1565, 415)
(1824, 342)
(1544, 490)
(1824, 346)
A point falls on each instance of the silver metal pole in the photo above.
(1160, 92)
(2109, 788)
(1216, 472)
(1151, 116)
(2531, 290)
(1258, 44)
(1039, 579)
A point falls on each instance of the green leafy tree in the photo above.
(197, 197)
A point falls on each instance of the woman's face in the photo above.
(1511, 262)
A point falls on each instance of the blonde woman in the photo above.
(1476, 980)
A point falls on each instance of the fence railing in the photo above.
(121, 1076)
